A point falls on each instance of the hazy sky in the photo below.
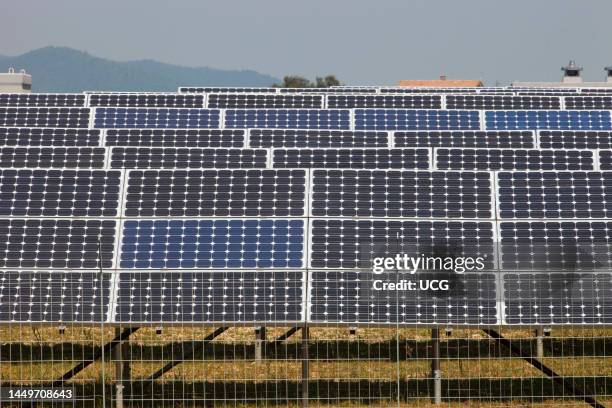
(364, 42)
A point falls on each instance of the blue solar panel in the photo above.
(169, 244)
(406, 119)
(570, 120)
(156, 118)
(288, 118)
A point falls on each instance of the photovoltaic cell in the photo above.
(352, 158)
(502, 102)
(61, 193)
(385, 101)
(45, 117)
(146, 100)
(356, 89)
(53, 243)
(556, 245)
(404, 119)
(192, 89)
(466, 138)
(156, 118)
(350, 244)
(288, 118)
(575, 139)
(68, 157)
(216, 193)
(555, 194)
(569, 120)
(53, 296)
(422, 194)
(39, 99)
(49, 137)
(218, 243)
(264, 101)
(588, 102)
(210, 297)
(175, 137)
(182, 158)
(349, 297)
(275, 138)
(605, 159)
(558, 298)
(513, 159)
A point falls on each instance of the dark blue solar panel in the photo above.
(62, 193)
(216, 193)
(556, 245)
(49, 137)
(45, 117)
(349, 297)
(41, 99)
(558, 298)
(264, 101)
(575, 139)
(147, 100)
(354, 243)
(513, 159)
(275, 138)
(555, 194)
(53, 296)
(210, 297)
(352, 158)
(168, 244)
(588, 102)
(175, 137)
(56, 243)
(156, 118)
(385, 101)
(288, 118)
(181, 158)
(466, 138)
(502, 102)
(68, 157)
(605, 159)
(422, 194)
(570, 120)
(404, 119)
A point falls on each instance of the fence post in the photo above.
(436, 373)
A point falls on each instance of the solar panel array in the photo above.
(269, 205)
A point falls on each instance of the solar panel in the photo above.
(558, 298)
(210, 297)
(53, 296)
(427, 90)
(356, 89)
(422, 194)
(588, 102)
(554, 194)
(41, 99)
(68, 157)
(49, 137)
(197, 89)
(575, 139)
(605, 160)
(216, 193)
(351, 158)
(182, 158)
(45, 117)
(156, 118)
(271, 138)
(385, 101)
(465, 138)
(347, 244)
(59, 193)
(175, 137)
(264, 101)
(218, 243)
(569, 120)
(55, 243)
(350, 297)
(147, 100)
(502, 102)
(512, 159)
(555, 245)
(288, 119)
(404, 119)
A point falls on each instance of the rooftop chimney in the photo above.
(609, 74)
(571, 73)
(442, 77)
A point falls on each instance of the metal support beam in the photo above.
(260, 343)
(185, 354)
(124, 335)
(569, 385)
(436, 372)
(539, 333)
(118, 357)
(305, 365)
(286, 335)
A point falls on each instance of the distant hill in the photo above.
(60, 69)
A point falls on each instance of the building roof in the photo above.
(441, 83)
